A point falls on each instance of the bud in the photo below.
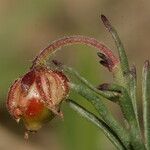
(36, 97)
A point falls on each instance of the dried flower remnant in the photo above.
(36, 97)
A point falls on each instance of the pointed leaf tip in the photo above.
(147, 64)
(103, 87)
(106, 22)
(101, 55)
(57, 63)
(133, 71)
(106, 61)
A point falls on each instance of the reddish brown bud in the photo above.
(36, 97)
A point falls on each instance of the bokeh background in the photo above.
(26, 26)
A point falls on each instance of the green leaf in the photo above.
(105, 114)
(98, 122)
(146, 102)
(94, 96)
(122, 77)
(133, 84)
(122, 54)
(127, 109)
(75, 76)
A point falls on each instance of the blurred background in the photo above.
(28, 26)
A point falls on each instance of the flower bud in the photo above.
(36, 97)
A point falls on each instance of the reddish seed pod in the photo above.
(36, 97)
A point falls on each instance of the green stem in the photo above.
(124, 101)
(99, 123)
(122, 76)
(127, 109)
(76, 76)
(121, 73)
(96, 101)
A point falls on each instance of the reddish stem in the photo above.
(66, 41)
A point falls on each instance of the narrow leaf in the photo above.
(127, 109)
(79, 85)
(99, 123)
(105, 114)
(133, 84)
(122, 55)
(76, 77)
(146, 102)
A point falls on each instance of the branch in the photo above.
(76, 77)
(98, 122)
(45, 54)
(125, 103)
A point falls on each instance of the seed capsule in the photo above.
(36, 97)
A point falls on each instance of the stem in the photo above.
(96, 101)
(66, 41)
(120, 69)
(84, 88)
(127, 109)
(123, 78)
(98, 122)
(146, 102)
(124, 101)
(74, 75)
